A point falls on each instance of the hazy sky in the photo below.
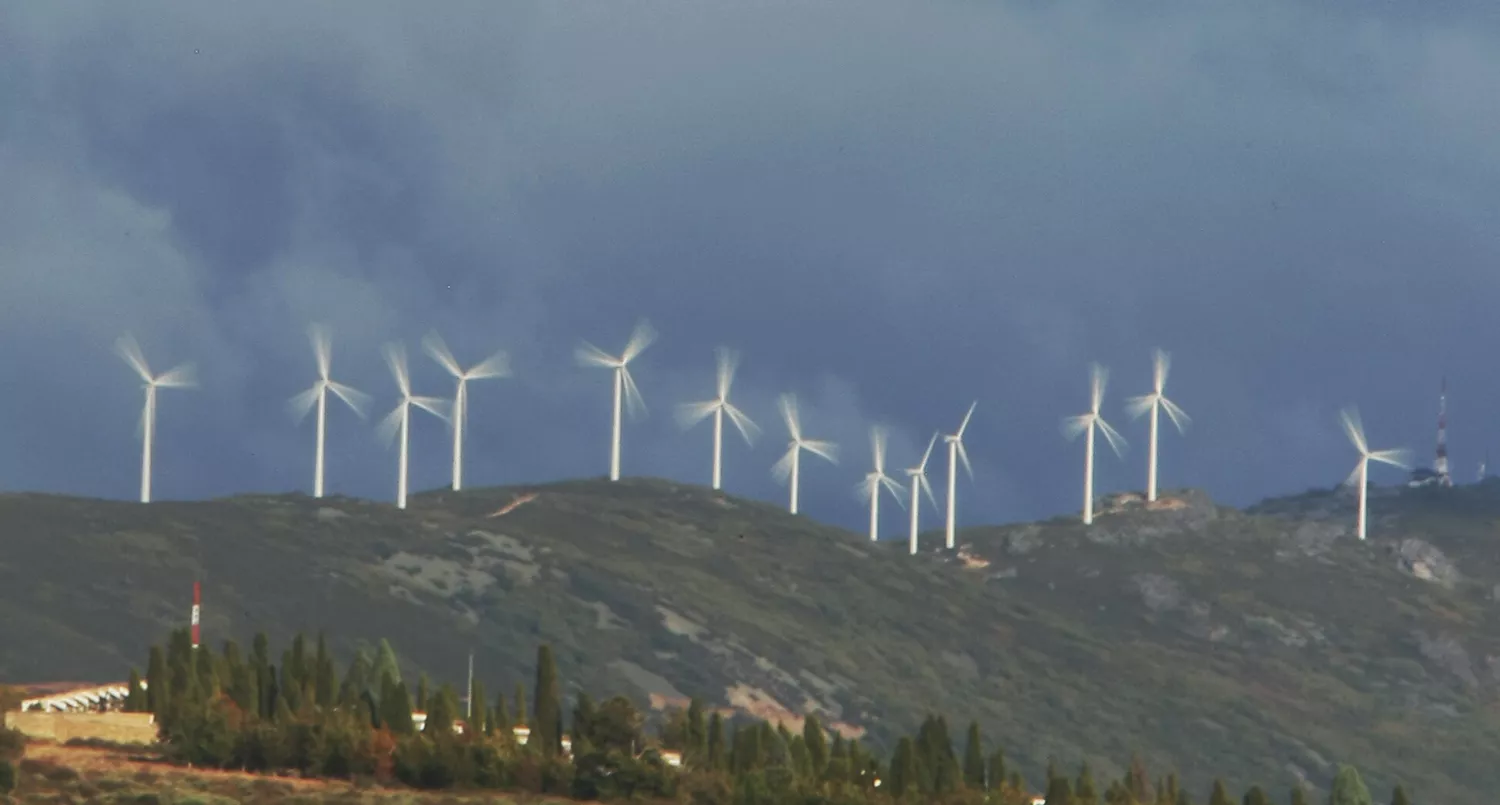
(889, 208)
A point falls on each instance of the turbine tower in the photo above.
(180, 377)
(875, 479)
(1090, 422)
(399, 419)
(690, 414)
(1440, 463)
(317, 395)
(589, 355)
(956, 452)
(788, 468)
(1361, 475)
(918, 475)
(496, 365)
(1156, 402)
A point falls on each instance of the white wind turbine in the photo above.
(1074, 425)
(918, 475)
(496, 365)
(317, 395)
(875, 479)
(398, 421)
(690, 414)
(1361, 474)
(788, 468)
(180, 377)
(590, 355)
(1156, 402)
(957, 452)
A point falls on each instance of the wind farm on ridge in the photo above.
(627, 399)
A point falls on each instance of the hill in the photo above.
(1261, 645)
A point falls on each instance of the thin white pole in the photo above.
(718, 442)
(952, 487)
(796, 456)
(912, 540)
(614, 446)
(318, 458)
(148, 433)
(460, 406)
(1088, 477)
(401, 479)
(1151, 459)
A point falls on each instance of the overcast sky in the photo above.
(890, 208)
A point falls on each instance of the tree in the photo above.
(547, 711)
(503, 722)
(1084, 792)
(1220, 795)
(1256, 796)
(422, 692)
(478, 717)
(395, 707)
(697, 730)
(1059, 790)
(386, 663)
(135, 697)
(995, 773)
(157, 684)
(974, 771)
(816, 743)
(324, 675)
(1137, 781)
(904, 772)
(718, 755)
(441, 713)
(1398, 796)
(521, 705)
(1348, 788)
(1299, 795)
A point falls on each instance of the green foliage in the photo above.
(7, 776)
(548, 709)
(974, 768)
(1220, 795)
(1348, 788)
(1398, 796)
(1256, 796)
(1299, 795)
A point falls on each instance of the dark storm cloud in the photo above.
(891, 209)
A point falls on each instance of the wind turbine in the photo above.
(317, 395)
(399, 419)
(1361, 474)
(918, 475)
(496, 365)
(690, 414)
(1074, 425)
(1156, 402)
(180, 377)
(875, 479)
(956, 452)
(790, 464)
(589, 355)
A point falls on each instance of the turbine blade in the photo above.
(867, 488)
(496, 365)
(690, 414)
(641, 338)
(440, 408)
(386, 430)
(894, 488)
(433, 345)
(927, 487)
(1161, 363)
(128, 348)
(788, 405)
(178, 377)
(1116, 441)
(1074, 426)
(1399, 457)
(300, 405)
(728, 361)
(747, 427)
(395, 358)
(963, 458)
(635, 404)
(959, 434)
(589, 355)
(1349, 418)
(1178, 416)
(322, 344)
(352, 397)
(782, 469)
(922, 465)
(1353, 479)
(1136, 406)
(1098, 380)
(822, 449)
(877, 448)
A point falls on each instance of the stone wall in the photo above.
(125, 728)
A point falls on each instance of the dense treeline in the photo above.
(244, 711)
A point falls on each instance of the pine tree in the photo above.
(1299, 795)
(1220, 795)
(974, 758)
(1348, 788)
(548, 709)
(816, 743)
(1084, 792)
(1398, 796)
(718, 756)
(1256, 796)
(325, 686)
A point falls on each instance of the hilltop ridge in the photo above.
(1267, 642)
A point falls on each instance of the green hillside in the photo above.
(1262, 645)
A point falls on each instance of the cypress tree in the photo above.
(357, 680)
(1183, 798)
(265, 677)
(1220, 795)
(583, 722)
(324, 684)
(974, 757)
(548, 709)
(440, 713)
(1348, 788)
(422, 693)
(1137, 781)
(297, 667)
(995, 773)
(386, 663)
(1059, 790)
(1084, 792)
(288, 685)
(1398, 796)
(816, 743)
(904, 772)
(503, 721)
(521, 706)
(697, 728)
(1299, 795)
(395, 707)
(135, 697)
(479, 722)
(718, 759)
(1256, 796)
(157, 684)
